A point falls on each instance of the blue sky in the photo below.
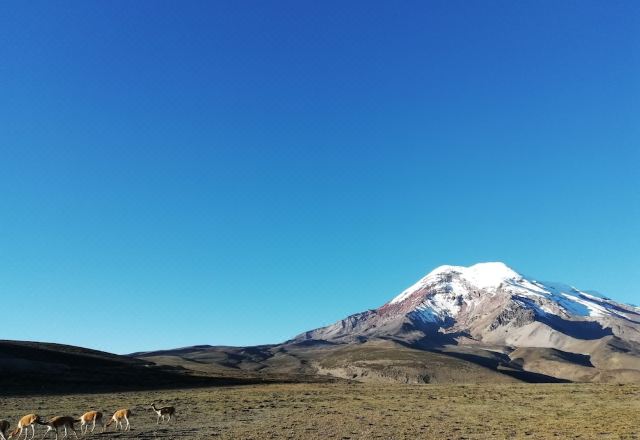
(178, 173)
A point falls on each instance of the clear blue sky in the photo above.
(178, 173)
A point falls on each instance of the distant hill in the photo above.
(35, 367)
(375, 360)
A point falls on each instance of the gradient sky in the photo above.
(179, 173)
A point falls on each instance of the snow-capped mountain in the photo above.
(489, 306)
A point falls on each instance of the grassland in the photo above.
(364, 411)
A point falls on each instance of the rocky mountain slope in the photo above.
(542, 327)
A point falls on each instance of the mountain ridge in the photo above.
(485, 319)
(452, 297)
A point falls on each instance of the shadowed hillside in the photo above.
(34, 367)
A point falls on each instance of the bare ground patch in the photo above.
(362, 411)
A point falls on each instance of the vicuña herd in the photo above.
(88, 419)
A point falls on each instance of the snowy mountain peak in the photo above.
(461, 294)
(480, 275)
(486, 275)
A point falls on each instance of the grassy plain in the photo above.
(362, 411)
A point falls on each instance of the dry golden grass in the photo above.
(364, 411)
